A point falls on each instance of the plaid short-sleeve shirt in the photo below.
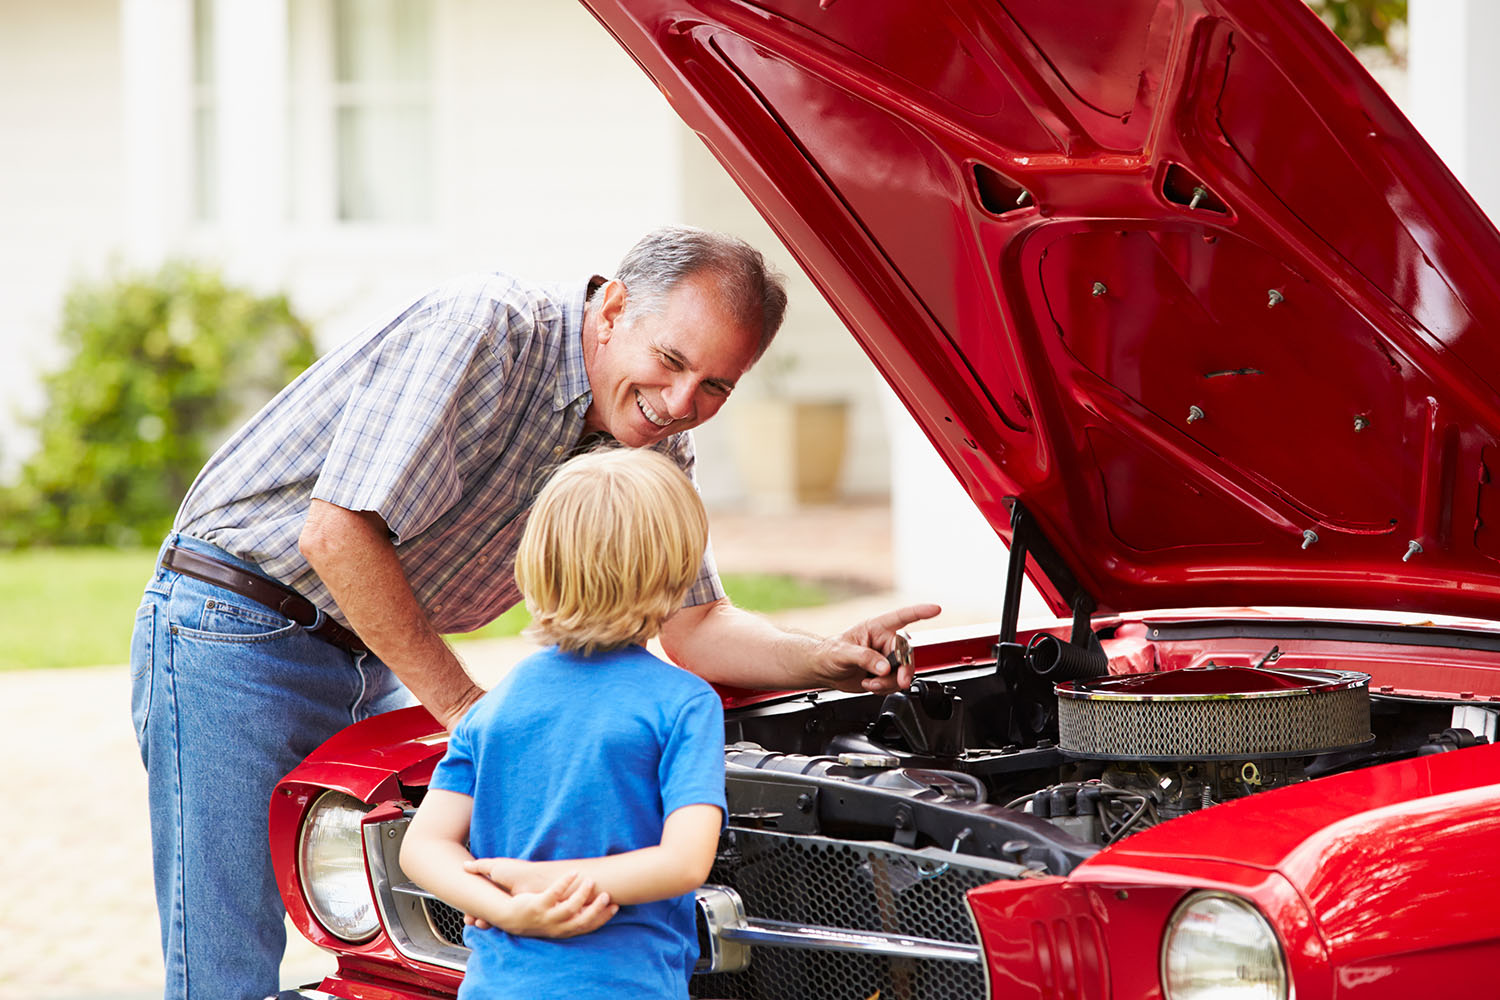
(446, 422)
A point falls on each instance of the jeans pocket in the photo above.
(142, 669)
(226, 621)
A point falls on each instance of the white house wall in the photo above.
(533, 173)
(61, 146)
(1454, 90)
(553, 153)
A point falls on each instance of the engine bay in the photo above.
(1038, 756)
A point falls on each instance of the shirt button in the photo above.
(557, 450)
(437, 607)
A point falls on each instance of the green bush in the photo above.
(160, 368)
(1366, 23)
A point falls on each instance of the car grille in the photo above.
(824, 882)
(844, 891)
(447, 922)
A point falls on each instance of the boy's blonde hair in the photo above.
(612, 545)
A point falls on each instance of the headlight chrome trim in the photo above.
(329, 799)
(1282, 984)
(400, 902)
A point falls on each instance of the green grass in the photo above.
(762, 592)
(507, 625)
(74, 607)
(69, 607)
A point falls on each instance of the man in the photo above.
(374, 505)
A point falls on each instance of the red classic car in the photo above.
(1198, 321)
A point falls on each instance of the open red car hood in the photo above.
(1175, 273)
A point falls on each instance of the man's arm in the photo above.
(679, 864)
(721, 643)
(352, 552)
(434, 856)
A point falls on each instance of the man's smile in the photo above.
(651, 415)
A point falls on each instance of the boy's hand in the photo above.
(512, 874)
(570, 905)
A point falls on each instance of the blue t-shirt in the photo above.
(581, 757)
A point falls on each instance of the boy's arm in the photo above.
(679, 864)
(433, 855)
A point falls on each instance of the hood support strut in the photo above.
(1026, 538)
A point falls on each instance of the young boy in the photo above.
(592, 776)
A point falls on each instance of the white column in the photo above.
(942, 548)
(250, 63)
(156, 77)
(1454, 89)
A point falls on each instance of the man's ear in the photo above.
(611, 308)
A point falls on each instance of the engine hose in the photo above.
(1051, 658)
(981, 793)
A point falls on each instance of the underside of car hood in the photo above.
(1176, 274)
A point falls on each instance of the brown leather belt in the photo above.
(262, 590)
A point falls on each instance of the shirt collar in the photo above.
(572, 387)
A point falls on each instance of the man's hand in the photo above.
(721, 643)
(856, 660)
(569, 906)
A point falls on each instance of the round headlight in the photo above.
(331, 863)
(1219, 946)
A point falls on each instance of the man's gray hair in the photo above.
(754, 291)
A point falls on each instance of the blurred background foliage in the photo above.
(160, 368)
(1363, 24)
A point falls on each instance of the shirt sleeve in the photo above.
(398, 445)
(455, 772)
(692, 761)
(707, 588)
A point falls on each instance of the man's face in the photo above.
(659, 373)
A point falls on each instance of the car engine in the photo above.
(1061, 758)
(866, 818)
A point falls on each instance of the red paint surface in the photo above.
(1372, 880)
(370, 760)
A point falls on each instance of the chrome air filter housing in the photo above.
(1214, 713)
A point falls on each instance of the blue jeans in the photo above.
(227, 697)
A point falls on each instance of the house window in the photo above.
(361, 115)
(205, 117)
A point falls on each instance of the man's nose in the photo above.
(678, 397)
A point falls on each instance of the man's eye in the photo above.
(670, 363)
(714, 389)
